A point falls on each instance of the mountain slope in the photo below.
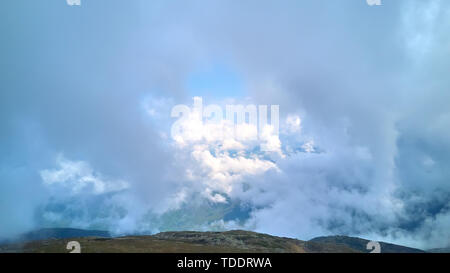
(439, 250)
(247, 241)
(194, 242)
(360, 244)
(62, 233)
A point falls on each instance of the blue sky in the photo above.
(215, 81)
(87, 91)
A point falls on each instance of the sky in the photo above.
(86, 95)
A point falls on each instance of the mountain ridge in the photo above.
(360, 244)
(233, 241)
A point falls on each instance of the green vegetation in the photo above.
(203, 242)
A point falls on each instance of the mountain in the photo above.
(192, 242)
(62, 233)
(439, 250)
(247, 241)
(361, 244)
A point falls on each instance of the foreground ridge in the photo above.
(235, 241)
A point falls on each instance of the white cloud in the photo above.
(395, 113)
(293, 123)
(270, 140)
(308, 146)
(220, 171)
(78, 176)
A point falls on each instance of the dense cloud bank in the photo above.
(86, 94)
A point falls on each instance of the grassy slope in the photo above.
(360, 244)
(200, 242)
(181, 242)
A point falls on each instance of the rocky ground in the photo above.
(203, 242)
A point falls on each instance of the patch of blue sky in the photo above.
(216, 81)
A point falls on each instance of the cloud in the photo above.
(77, 176)
(363, 144)
(293, 124)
